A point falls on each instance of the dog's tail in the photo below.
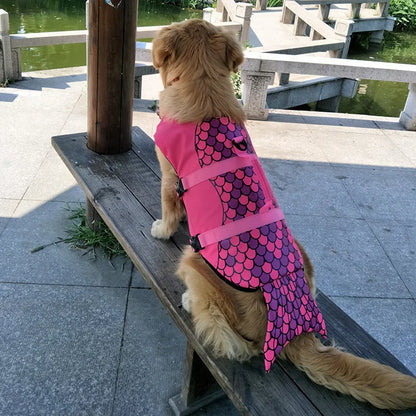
(366, 380)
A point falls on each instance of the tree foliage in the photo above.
(405, 13)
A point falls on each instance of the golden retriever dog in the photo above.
(195, 60)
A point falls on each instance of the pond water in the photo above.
(56, 15)
(380, 97)
(373, 97)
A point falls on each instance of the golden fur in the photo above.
(195, 60)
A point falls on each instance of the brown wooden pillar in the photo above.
(111, 55)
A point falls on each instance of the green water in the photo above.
(56, 15)
(374, 97)
(380, 97)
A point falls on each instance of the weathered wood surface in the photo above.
(124, 189)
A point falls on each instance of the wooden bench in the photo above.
(124, 189)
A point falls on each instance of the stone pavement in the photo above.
(83, 337)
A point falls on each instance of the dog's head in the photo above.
(193, 49)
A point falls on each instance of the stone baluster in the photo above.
(243, 14)
(261, 4)
(288, 16)
(382, 9)
(323, 11)
(255, 85)
(299, 27)
(355, 9)
(408, 115)
(7, 72)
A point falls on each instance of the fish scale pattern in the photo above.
(265, 257)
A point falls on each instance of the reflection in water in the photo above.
(382, 98)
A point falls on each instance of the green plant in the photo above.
(191, 4)
(81, 236)
(4, 84)
(237, 84)
(405, 13)
(275, 3)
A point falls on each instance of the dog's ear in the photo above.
(163, 46)
(234, 55)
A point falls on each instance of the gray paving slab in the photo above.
(300, 187)
(284, 141)
(152, 361)
(389, 320)
(399, 243)
(382, 192)
(361, 149)
(18, 167)
(7, 207)
(137, 281)
(60, 349)
(54, 182)
(347, 257)
(406, 143)
(35, 224)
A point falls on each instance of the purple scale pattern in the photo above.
(265, 257)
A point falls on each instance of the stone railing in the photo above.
(355, 6)
(261, 4)
(240, 13)
(319, 32)
(10, 44)
(259, 69)
(358, 17)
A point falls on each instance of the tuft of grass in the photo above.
(81, 236)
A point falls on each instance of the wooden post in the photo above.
(111, 54)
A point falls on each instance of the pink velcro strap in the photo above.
(215, 169)
(239, 226)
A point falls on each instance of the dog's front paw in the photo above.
(186, 301)
(159, 230)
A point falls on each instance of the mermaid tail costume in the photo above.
(236, 224)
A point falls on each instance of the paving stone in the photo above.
(309, 189)
(399, 242)
(35, 224)
(347, 257)
(385, 321)
(60, 349)
(54, 182)
(7, 207)
(152, 361)
(382, 192)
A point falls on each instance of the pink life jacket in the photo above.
(236, 224)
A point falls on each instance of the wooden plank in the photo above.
(124, 189)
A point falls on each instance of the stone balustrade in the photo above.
(259, 69)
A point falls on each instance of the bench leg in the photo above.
(92, 217)
(199, 387)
